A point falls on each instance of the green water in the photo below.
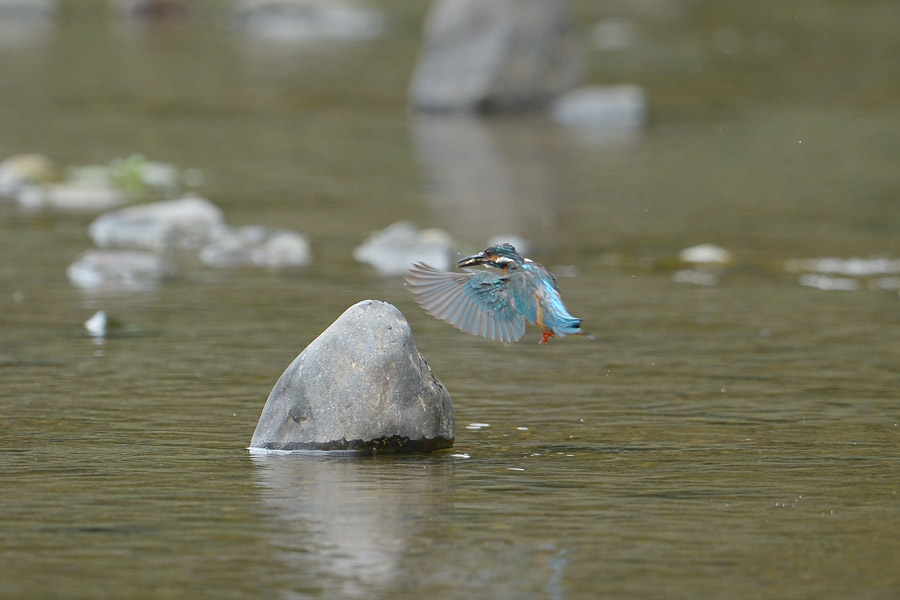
(727, 441)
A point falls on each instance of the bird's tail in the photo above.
(572, 326)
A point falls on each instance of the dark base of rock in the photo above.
(361, 385)
(394, 443)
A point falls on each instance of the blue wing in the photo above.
(477, 302)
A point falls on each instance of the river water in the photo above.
(732, 431)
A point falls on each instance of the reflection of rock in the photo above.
(190, 222)
(99, 270)
(394, 249)
(71, 197)
(25, 21)
(877, 272)
(361, 384)
(257, 246)
(491, 176)
(23, 9)
(495, 54)
(301, 20)
(348, 524)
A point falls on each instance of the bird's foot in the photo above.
(546, 337)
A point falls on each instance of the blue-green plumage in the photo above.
(495, 305)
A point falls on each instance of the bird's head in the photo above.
(502, 256)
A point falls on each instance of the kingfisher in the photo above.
(495, 305)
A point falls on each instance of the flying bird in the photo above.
(495, 305)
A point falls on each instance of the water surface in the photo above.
(738, 439)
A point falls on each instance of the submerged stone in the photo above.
(360, 385)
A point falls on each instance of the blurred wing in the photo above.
(478, 303)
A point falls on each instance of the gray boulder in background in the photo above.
(483, 55)
(360, 385)
(188, 222)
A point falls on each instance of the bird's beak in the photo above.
(471, 261)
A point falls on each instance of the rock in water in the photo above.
(612, 107)
(119, 270)
(484, 55)
(394, 249)
(189, 222)
(360, 385)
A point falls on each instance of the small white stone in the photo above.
(96, 325)
(706, 254)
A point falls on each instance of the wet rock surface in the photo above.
(360, 385)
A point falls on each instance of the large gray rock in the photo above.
(360, 385)
(495, 55)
